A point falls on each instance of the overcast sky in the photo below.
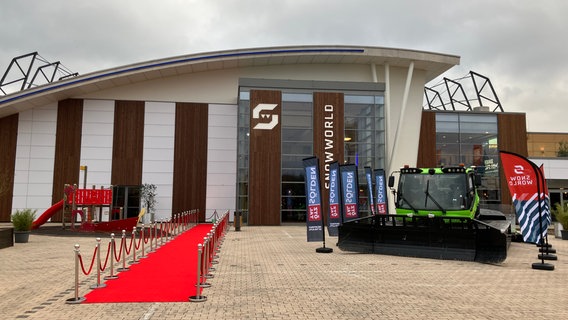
(521, 45)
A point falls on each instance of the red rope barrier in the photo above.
(137, 243)
(117, 259)
(103, 267)
(130, 246)
(92, 263)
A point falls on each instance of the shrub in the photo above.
(23, 219)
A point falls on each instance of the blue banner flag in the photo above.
(314, 217)
(381, 187)
(334, 218)
(368, 174)
(349, 191)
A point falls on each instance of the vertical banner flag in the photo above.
(313, 200)
(525, 185)
(368, 174)
(381, 187)
(334, 218)
(349, 191)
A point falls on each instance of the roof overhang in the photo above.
(433, 64)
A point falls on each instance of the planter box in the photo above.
(6, 237)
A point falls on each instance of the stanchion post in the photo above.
(112, 276)
(161, 233)
(134, 260)
(207, 246)
(143, 240)
(76, 299)
(151, 237)
(214, 255)
(124, 267)
(198, 297)
(98, 284)
(167, 229)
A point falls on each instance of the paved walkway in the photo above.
(273, 273)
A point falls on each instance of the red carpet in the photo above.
(167, 275)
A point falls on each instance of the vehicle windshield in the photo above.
(432, 192)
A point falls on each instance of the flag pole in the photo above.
(323, 249)
(546, 253)
(540, 265)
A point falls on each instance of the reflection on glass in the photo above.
(471, 139)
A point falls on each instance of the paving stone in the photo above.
(273, 273)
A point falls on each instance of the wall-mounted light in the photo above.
(347, 139)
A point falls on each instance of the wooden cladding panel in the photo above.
(67, 148)
(427, 155)
(128, 143)
(512, 137)
(328, 136)
(265, 161)
(190, 158)
(8, 142)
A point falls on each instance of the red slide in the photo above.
(47, 214)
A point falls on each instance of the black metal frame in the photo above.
(25, 64)
(457, 97)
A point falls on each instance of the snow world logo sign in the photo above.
(519, 169)
(267, 121)
(521, 177)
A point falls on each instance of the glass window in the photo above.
(297, 144)
(471, 139)
(364, 143)
(243, 125)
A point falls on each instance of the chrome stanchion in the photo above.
(215, 246)
(206, 245)
(76, 299)
(112, 276)
(161, 233)
(151, 237)
(198, 297)
(124, 267)
(98, 284)
(167, 230)
(143, 240)
(176, 224)
(134, 260)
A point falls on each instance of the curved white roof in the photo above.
(433, 64)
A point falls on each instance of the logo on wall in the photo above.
(269, 121)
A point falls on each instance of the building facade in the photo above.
(216, 131)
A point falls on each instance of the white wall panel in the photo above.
(157, 167)
(553, 168)
(223, 132)
(222, 155)
(221, 191)
(221, 159)
(158, 142)
(221, 167)
(35, 156)
(96, 142)
(98, 128)
(222, 144)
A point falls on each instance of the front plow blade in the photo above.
(424, 237)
